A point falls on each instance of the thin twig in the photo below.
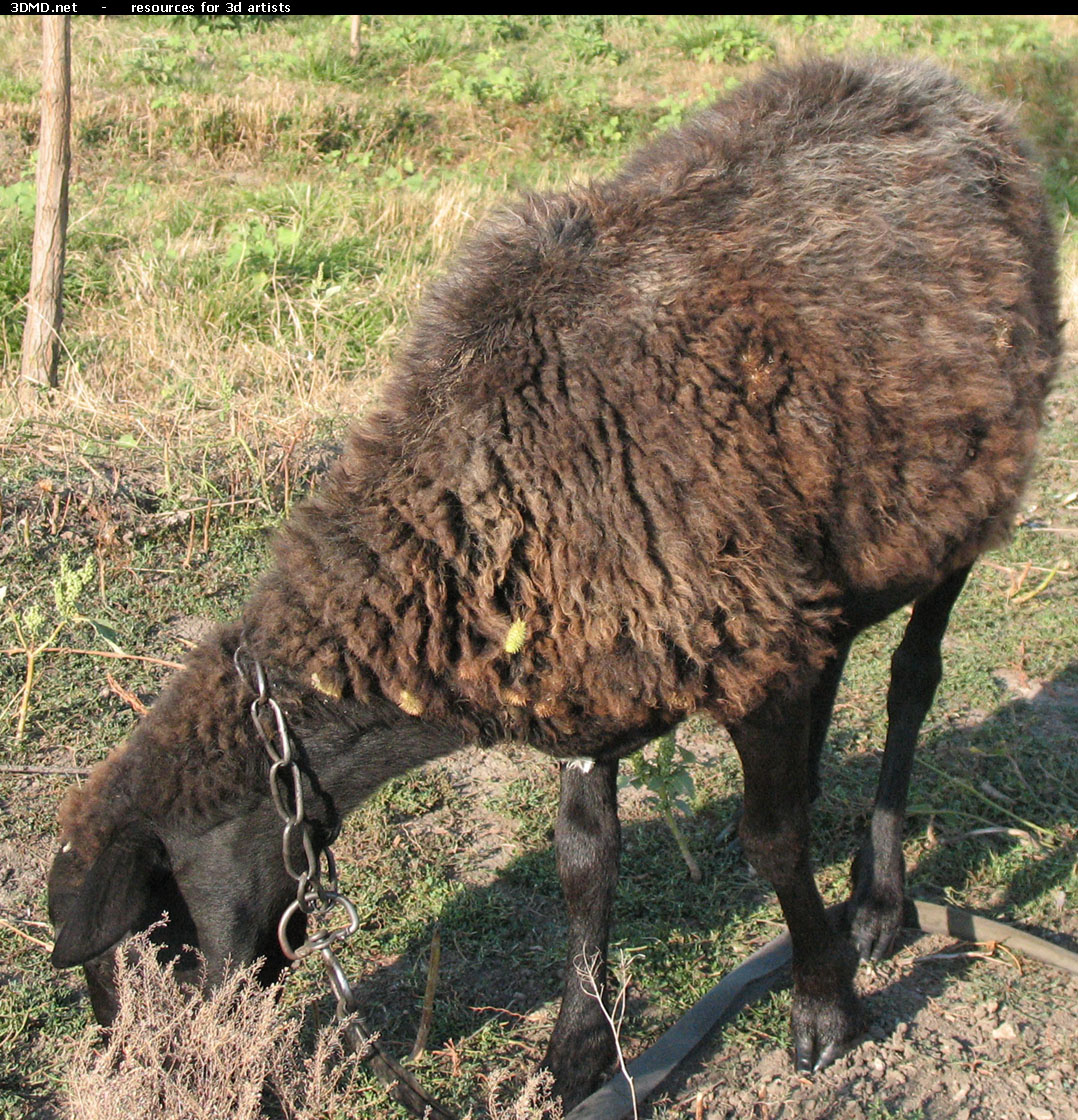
(97, 653)
(46, 945)
(998, 830)
(587, 971)
(989, 953)
(65, 771)
(32, 654)
(1010, 570)
(502, 1011)
(1026, 596)
(126, 695)
(427, 1015)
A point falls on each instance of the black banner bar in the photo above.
(207, 8)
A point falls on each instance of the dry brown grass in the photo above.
(532, 1102)
(177, 1054)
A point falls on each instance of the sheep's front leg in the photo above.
(879, 872)
(774, 744)
(587, 842)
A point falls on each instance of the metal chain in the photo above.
(318, 892)
(317, 889)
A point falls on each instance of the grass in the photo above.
(253, 216)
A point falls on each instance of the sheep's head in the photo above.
(222, 891)
(95, 906)
(178, 820)
(181, 821)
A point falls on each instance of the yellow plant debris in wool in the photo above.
(330, 688)
(409, 703)
(516, 636)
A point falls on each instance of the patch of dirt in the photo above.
(956, 1032)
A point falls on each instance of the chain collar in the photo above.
(318, 892)
(317, 889)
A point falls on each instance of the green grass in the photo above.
(254, 214)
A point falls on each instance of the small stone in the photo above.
(1040, 1114)
(1005, 1032)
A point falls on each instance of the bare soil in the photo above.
(956, 1032)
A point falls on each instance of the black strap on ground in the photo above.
(760, 973)
(400, 1085)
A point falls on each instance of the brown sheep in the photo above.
(660, 445)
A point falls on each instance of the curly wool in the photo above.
(794, 352)
(651, 435)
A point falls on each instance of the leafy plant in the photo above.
(36, 632)
(676, 108)
(587, 123)
(19, 196)
(586, 40)
(728, 40)
(415, 39)
(490, 79)
(164, 63)
(670, 786)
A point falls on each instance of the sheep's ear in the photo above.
(111, 900)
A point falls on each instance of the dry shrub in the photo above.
(176, 1053)
(533, 1102)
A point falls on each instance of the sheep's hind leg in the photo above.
(587, 841)
(775, 747)
(823, 703)
(876, 906)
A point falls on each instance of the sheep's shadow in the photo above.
(503, 943)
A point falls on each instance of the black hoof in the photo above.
(827, 1016)
(876, 909)
(875, 920)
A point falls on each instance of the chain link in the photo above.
(318, 892)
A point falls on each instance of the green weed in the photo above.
(669, 782)
(725, 40)
(489, 79)
(36, 631)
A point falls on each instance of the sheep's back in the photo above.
(650, 435)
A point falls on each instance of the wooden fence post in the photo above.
(44, 303)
